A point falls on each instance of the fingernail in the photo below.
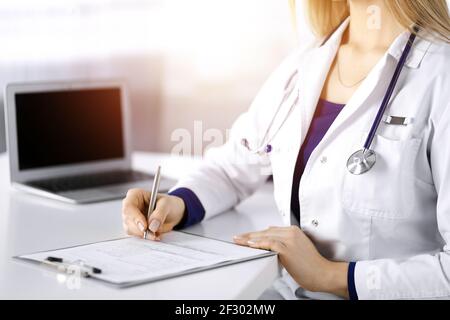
(251, 242)
(238, 238)
(140, 226)
(154, 237)
(154, 225)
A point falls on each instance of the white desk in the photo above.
(29, 223)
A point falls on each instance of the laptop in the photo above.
(71, 141)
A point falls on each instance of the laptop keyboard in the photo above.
(89, 181)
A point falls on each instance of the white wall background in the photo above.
(183, 60)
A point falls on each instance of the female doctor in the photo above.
(356, 132)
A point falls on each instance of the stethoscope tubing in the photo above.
(265, 146)
(389, 92)
(365, 152)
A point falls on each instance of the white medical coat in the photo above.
(394, 221)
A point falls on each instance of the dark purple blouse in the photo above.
(326, 113)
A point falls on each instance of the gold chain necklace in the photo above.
(340, 76)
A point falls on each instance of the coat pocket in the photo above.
(386, 190)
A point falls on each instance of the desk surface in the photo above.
(29, 223)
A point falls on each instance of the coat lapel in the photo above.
(313, 75)
(370, 94)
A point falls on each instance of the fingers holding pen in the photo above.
(166, 214)
(158, 217)
(134, 221)
(134, 218)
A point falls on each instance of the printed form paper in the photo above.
(132, 260)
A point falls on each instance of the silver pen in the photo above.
(153, 197)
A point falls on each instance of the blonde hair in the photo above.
(431, 16)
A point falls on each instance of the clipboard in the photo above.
(127, 262)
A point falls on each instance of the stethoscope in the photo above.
(265, 146)
(362, 160)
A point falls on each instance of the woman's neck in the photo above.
(372, 25)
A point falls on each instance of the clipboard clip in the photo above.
(69, 267)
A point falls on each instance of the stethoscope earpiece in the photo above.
(267, 149)
(244, 142)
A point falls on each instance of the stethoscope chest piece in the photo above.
(361, 161)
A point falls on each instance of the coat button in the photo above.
(323, 160)
(315, 223)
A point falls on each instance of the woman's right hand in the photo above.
(168, 213)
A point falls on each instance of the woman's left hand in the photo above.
(300, 258)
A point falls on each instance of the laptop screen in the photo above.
(68, 127)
